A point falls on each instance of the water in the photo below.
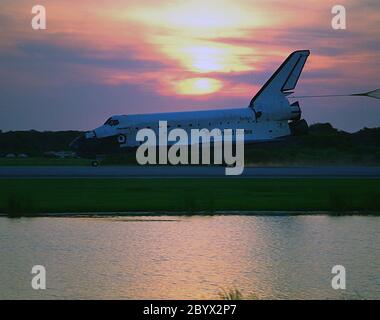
(190, 257)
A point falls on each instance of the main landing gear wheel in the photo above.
(95, 163)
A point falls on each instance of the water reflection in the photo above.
(189, 257)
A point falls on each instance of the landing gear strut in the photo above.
(97, 160)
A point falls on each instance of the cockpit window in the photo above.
(111, 122)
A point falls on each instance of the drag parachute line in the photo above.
(371, 94)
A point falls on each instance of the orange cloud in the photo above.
(191, 39)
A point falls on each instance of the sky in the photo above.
(100, 58)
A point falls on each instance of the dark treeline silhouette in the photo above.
(35, 143)
(323, 145)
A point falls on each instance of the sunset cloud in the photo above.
(184, 53)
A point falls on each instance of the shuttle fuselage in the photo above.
(269, 117)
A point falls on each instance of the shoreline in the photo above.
(116, 214)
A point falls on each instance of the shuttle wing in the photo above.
(283, 80)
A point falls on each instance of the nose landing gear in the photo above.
(97, 161)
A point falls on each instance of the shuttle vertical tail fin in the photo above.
(283, 80)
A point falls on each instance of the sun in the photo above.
(188, 31)
(198, 86)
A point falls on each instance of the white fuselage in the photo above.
(270, 116)
(255, 130)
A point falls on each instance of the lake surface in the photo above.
(276, 257)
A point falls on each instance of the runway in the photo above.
(185, 172)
